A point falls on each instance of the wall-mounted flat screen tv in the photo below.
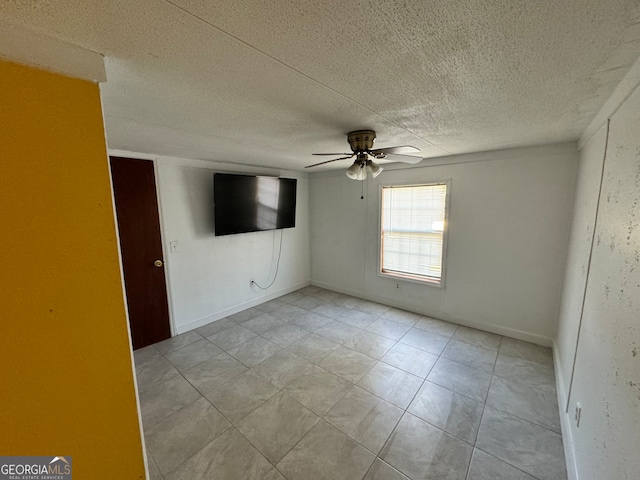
(247, 203)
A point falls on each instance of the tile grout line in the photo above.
(405, 411)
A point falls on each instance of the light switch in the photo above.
(173, 246)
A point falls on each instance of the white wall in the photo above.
(509, 220)
(601, 299)
(578, 255)
(208, 277)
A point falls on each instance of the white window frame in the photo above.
(447, 208)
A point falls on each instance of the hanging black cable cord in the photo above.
(253, 282)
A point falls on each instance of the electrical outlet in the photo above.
(397, 286)
(251, 283)
(578, 414)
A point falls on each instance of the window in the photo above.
(412, 234)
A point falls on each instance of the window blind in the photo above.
(413, 223)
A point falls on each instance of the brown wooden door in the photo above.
(134, 189)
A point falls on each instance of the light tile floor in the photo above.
(320, 385)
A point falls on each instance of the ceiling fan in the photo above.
(361, 142)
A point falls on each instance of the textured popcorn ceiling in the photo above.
(268, 82)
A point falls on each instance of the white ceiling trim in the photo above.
(531, 153)
(625, 88)
(207, 164)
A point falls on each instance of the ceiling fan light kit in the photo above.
(354, 170)
(362, 166)
(358, 171)
(374, 169)
(361, 142)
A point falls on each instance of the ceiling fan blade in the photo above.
(328, 161)
(403, 150)
(330, 154)
(394, 157)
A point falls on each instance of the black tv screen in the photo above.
(246, 203)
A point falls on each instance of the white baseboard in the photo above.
(562, 399)
(202, 321)
(565, 419)
(567, 434)
(487, 327)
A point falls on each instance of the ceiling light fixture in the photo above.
(362, 165)
(374, 169)
(354, 170)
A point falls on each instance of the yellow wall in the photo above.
(66, 383)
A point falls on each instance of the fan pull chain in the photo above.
(362, 193)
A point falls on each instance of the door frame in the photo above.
(167, 265)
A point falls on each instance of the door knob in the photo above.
(158, 263)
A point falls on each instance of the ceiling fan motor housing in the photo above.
(361, 140)
(361, 143)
